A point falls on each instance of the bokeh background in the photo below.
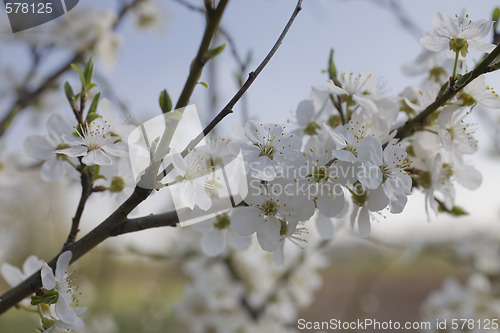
(386, 277)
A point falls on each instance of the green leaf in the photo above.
(90, 86)
(92, 115)
(463, 80)
(35, 300)
(496, 15)
(454, 211)
(212, 53)
(443, 89)
(88, 71)
(79, 71)
(50, 297)
(203, 84)
(70, 95)
(165, 101)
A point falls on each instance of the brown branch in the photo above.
(213, 18)
(116, 223)
(86, 181)
(484, 67)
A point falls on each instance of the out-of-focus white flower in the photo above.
(455, 134)
(46, 148)
(358, 87)
(59, 326)
(218, 231)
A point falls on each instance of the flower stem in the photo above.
(454, 75)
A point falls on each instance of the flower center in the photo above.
(222, 221)
(320, 174)
(270, 208)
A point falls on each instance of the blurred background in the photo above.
(132, 283)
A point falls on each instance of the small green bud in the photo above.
(165, 101)
(496, 15)
(459, 45)
(117, 185)
(334, 121)
(312, 128)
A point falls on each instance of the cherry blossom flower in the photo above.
(59, 326)
(358, 87)
(95, 143)
(270, 205)
(46, 148)
(269, 145)
(60, 282)
(194, 179)
(480, 93)
(455, 134)
(217, 232)
(458, 34)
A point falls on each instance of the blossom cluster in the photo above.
(58, 290)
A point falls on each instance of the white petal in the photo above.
(31, 265)
(202, 199)
(331, 87)
(62, 264)
(324, 225)
(435, 43)
(213, 242)
(119, 149)
(364, 226)
(48, 279)
(57, 125)
(279, 253)
(39, 147)
(478, 29)
(305, 112)
(263, 168)
(238, 242)
(12, 275)
(64, 312)
(331, 205)
(268, 234)
(445, 25)
(53, 169)
(73, 151)
(97, 157)
(366, 104)
(244, 220)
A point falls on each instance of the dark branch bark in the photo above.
(482, 68)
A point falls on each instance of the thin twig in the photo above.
(228, 109)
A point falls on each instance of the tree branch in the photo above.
(213, 18)
(483, 67)
(118, 223)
